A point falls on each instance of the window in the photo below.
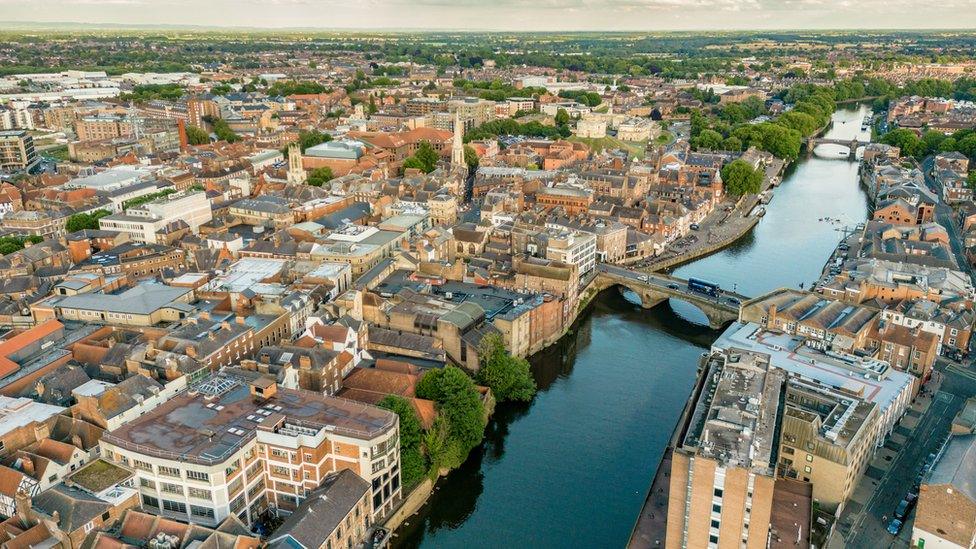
(171, 488)
(806, 469)
(278, 453)
(237, 504)
(280, 471)
(810, 458)
(142, 465)
(89, 526)
(715, 523)
(716, 508)
(174, 506)
(169, 471)
(712, 539)
(199, 493)
(198, 475)
(146, 483)
(718, 492)
(205, 512)
(235, 487)
(150, 501)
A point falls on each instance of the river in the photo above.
(571, 469)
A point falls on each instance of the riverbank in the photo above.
(611, 392)
(721, 229)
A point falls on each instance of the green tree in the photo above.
(470, 157)
(508, 377)
(932, 140)
(197, 136)
(83, 221)
(413, 464)
(562, 117)
(425, 159)
(458, 402)
(741, 178)
(707, 139)
(909, 143)
(311, 138)
(971, 180)
(319, 176)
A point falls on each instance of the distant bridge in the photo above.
(851, 144)
(653, 288)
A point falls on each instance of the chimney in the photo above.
(264, 387)
(191, 351)
(239, 319)
(22, 506)
(225, 325)
(305, 362)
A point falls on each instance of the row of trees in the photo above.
(461, 416)
(509, 126)
(931, 142)
(729, 128)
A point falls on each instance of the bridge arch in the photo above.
(719, 312)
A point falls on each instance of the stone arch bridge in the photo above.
(654, 288)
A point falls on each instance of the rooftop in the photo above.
(219, 415)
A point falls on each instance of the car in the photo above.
(905, 506)
(673, 286)
(695, 227)
(894, 527)
(734, 301)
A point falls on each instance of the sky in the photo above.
(514, 15)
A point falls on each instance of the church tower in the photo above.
(296, 173)
(457, 149)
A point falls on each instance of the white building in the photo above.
(142, 222)
(237, 444)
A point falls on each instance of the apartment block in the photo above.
(237, 444)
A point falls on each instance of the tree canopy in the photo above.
(425, 159)
(197, 136)
(508, 377)
(741, 178)
(83, 221)
(319, 176)
(413, 463)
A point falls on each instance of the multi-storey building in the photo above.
(143, 222)
(89, 128)
(17, 150)
(722, 472)
(827, 439)
(237, 444)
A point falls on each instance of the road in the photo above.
(671, 285)
(893, 472)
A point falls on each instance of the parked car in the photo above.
(905, 506)
(695, 227)
(673, 286)
(894, 527)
